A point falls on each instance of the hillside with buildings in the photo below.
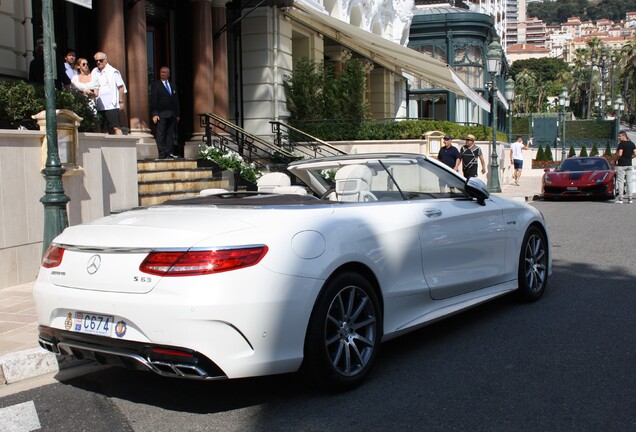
(530, 37)
(556, 12)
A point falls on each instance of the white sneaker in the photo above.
(618, 201)
(629, 201)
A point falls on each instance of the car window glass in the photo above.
(423, 180)
(390, 180)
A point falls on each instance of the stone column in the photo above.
(202, 62)
(338, 55)
(111, 38)
(382, 93)
(137, 68)
(221, 81)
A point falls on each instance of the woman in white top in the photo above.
(85, 82)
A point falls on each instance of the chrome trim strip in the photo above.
(122, 250)
(96, 249)
(66, 348)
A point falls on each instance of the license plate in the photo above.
(93, 324)
(572, 188)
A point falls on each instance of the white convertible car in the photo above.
(293, 277)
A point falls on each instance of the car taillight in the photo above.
(194, 263)
(53, 257)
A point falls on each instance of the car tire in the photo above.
(344, 334)
(533, 265)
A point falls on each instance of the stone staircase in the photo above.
(160, 180)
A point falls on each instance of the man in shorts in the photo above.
(516, 157)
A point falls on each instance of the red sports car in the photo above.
(580, 177)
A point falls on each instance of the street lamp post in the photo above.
(619, 108)
(493, 57)
(54, 199)
(510, 97)
(564, 102)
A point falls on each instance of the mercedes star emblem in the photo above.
(93, 264)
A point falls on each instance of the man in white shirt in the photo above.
(516, 157)
(110, 99)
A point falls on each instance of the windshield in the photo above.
(592, 164)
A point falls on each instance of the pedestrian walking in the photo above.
(516, 157)
(471, 155)
(449, 156)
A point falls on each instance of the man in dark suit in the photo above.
(164, 107)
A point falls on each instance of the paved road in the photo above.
(565, 363)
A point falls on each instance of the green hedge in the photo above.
(20, 100)
(391, 130)
(589, 129)
(575, 129)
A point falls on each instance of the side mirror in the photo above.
(477, 189)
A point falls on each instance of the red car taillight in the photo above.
(53, 257)
(194, 263)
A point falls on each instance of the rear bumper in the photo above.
(247, 324)
(161, 359)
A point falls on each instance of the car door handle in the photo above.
(432, 213)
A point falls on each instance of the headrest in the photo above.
(353, 179)
(269, 181)
(355, 171)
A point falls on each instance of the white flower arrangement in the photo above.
(230, 160)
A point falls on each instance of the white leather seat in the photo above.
(353, 184)
(295, 190)
(268, 182)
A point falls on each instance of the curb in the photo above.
(22, 365)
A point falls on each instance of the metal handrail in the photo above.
(251, 147)
(301, 143)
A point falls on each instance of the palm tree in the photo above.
(581, 78)
(628, 65)
(526, 90)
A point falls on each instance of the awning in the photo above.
(386, 53)
(502, 99)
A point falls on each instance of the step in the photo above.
(162, 179)
(179, 185)
(174, 174)
(165, 164)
